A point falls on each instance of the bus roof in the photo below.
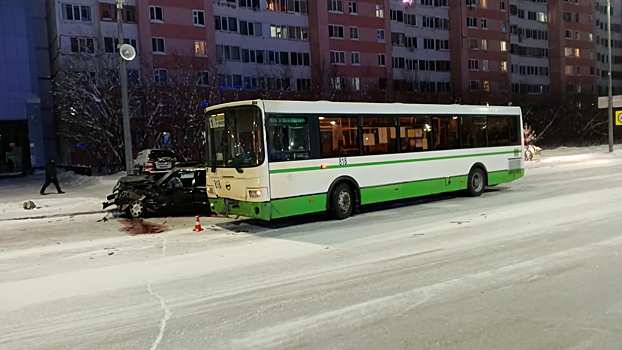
(327, 107)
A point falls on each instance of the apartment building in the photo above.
(529, 48)
(572, 48)
(480, 54)
(420, 46)
(350, 44)
(601, 40)
(82, 30)
(263, 45)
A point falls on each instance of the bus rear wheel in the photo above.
(341, 202)
(477, 182)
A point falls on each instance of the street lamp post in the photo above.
(610, 95)
(127, 136)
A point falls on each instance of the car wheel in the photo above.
(136, 209)
(477, 182)
(341, 202)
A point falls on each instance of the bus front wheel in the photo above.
(477, 182)
(341, 202)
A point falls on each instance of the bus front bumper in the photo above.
(253, 210)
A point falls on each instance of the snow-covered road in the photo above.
(534, 264)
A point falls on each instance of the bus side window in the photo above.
(515, 130)
(415, 134)
(498, 131)
(288, 138)
(446, 133)
(473, 131)
(379, 135)
(339, 136)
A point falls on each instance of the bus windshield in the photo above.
(236, 138)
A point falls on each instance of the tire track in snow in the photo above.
(167, 315)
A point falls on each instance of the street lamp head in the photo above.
(127, 52)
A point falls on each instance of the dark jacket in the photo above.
(50, 170)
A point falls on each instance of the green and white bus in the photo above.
(275, 159)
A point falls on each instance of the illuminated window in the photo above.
(200, 48)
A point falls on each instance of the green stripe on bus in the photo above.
(295, 170)
(280, 208)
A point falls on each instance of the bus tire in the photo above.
(341, 201)
(476, 182)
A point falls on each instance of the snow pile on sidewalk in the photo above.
(84, 194)
(565, 158)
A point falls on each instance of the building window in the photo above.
(198, 18)
(483, 23)
(82, 45)
(77, 13)
(504, 66)
(473, 64)
(160, 76)
(230, 53)
(473, 85)
(200, 48)
(577, 52)
(356, 58)
(504, 27)
(356, 84)
(382, 60)
(353, 8)
(338, 57)
(111, 45)
(278, 31)
(157, 45)
(335, 32)
(568, 51)
(502, 5)
(226, 24)
(335, 5)
(504, 46)
(338, 83)
(303, 84)
(298, 33)
(354, 33)
(203, 78)
(471, 22)
(380, 11)
(251, 28)
(253, 4)
(484, 44)
(155, 13)
(380, 34)
(486, 85)
(485, 65)
(473, 44)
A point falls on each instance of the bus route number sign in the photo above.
(343, 161)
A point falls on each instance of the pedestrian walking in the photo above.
(50, 177)
(11, 165)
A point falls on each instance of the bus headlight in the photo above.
(254, 193)
(210, 189)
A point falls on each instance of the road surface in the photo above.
(535, 264)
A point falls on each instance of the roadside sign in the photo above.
(619, 118)
(603, 102)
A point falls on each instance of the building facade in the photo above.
(26, 127)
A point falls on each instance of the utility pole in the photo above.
(610, 99)
(127, 135)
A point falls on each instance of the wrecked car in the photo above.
(181, 190)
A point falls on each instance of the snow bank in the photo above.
(564, 158)
(84, 194)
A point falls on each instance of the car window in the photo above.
(161, 154)
(200, 179)
(186, 178)
(174, 183)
